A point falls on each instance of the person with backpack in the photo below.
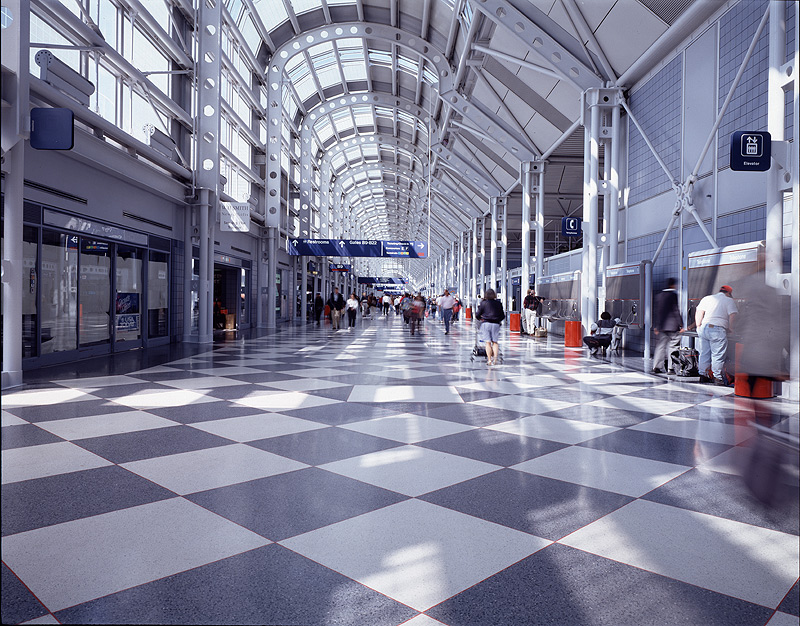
(490, 314)
(667, 326)
(319, 307)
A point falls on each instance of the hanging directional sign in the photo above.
(384, 280)
(340, 267)
(751, 151)
(570, 227)
(409, 249)
(357, 248)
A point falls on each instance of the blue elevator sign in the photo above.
(751, 151)
(570, 227)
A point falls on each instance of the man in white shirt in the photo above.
(446, 304)
(714, 318)
(387, 302)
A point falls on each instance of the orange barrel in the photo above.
(514, 322)
(572, 334)
(468, 314)
(327, 310)
(741, 385)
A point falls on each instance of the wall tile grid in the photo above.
(748, 107)
(657, 107)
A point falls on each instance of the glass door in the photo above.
(128, 298)
(94, 295)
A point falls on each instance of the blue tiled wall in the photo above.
(657, 107)
(748, 108)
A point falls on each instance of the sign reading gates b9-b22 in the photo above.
(751, 151)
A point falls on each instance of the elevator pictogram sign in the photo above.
(751, 151)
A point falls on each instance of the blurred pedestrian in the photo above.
(667, 325)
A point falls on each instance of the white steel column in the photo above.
(188, 261)
(504, 277)
(204, 329)
(613, 192)
(303, 289)
(538, 166)
(591, 172)
(493, 272)
(474, 284)
(272, 268)
(482, 273)
(13, 269)
(526, 176)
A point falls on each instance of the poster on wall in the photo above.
(127, 310)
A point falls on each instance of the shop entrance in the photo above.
(227, 297)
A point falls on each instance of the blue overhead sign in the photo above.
(406, 249)
(751, 151)
(357, 248)
(570, 227)
(340, 267)
(383, 280)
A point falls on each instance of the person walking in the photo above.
(319, 307)
(336, 302)
(446, 304)
(386, 300)
(352, 309)
(490, 314)
(714, 316)
(417, 313)
(667, 326)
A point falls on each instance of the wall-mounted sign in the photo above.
(234, 217)
(751, 151)
(570, 227)
(52, 129)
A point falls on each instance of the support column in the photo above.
(452, 279)
(482, 274)
(272, 268)
(613, 192)
(526, 176)
(209, 68)
(776, 119)
(591, 164)
(205, 332)
(473, 295)
(504, 258)
(539, 271)
(493, 262)
(13, 269)
(188, 244)
(303, 289)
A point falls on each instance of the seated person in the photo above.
(602, 333)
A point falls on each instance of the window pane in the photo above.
(95, 292)
(30, 248)
(59, 292)
(158, 295)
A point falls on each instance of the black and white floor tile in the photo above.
(367, 477)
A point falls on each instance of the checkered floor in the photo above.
(369, 478)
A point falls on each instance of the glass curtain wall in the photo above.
(59, 292)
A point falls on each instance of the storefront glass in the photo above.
(158, 295)
(30, 249)
(59, 292)
(94, 293)
(128, 295)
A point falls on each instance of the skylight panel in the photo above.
(305, 87)
(407, 65)
(329, 76)
(380, 57)
(303, 6)
(363, 116)
(343, 124)
(354, 70)
(250, 34)
(272, 13)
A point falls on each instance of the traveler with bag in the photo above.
(490, 314)
(667, 326)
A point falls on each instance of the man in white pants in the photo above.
(529, 312)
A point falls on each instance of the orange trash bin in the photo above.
(468, 314)
(572, 334)
(514, 322)
(741, 386)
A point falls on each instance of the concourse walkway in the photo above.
(366, 478)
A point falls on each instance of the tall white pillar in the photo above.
(493, 256)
